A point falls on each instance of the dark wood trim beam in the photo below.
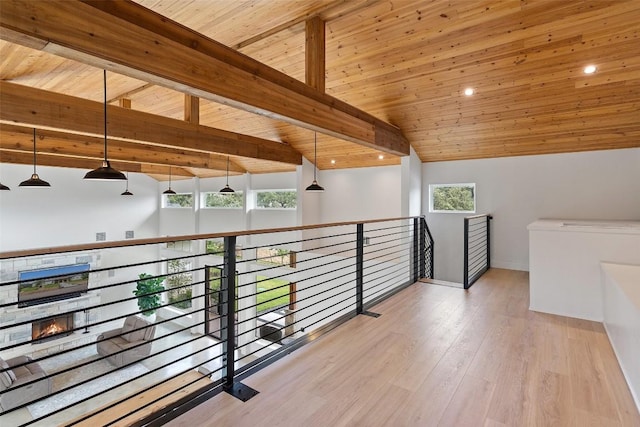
(129, 39)
(40, 108)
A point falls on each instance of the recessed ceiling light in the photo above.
(590, 69)
(469, 91)
(333, 162)
(380, 156)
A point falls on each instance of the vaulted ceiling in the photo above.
(369, 77)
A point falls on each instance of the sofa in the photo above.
(12, 376)
(128, 344)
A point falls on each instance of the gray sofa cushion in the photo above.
(129, 332)
(5, 377)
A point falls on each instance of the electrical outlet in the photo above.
(101, 237)
(128, 234)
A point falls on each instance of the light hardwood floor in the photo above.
(440, 356)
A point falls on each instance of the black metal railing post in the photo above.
(228, 324)
(415, 249)
(423, 248)
(227, 319)
(359, 268)
(465, 274)
(489, 218)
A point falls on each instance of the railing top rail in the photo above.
(156, 240)
(490, 216)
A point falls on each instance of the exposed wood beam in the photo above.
(191, 109)
(326, 11)
(315, 53)
(129, 39)
(45, 159)
(130, 93)
(39, 108)
(19, 138)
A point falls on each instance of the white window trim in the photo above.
(468, 184)
(203, 201)
(274, 191)
(165, 196)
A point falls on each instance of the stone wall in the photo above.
(12, 336)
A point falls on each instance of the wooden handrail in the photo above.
(156, 240)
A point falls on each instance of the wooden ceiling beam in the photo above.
(20, 138)
(40, 108)
(46, 159)
(129, 39)
(315, 53)
(192, 109)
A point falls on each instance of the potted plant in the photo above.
(147, 291)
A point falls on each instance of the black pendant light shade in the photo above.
(169, 190)
(315, 187)
(105, 172)
(226, 188)
(126, 192)
(4, 187)
(34, 181)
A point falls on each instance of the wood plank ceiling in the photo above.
(405, 62)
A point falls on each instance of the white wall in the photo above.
(72, 210)
(519, 190)
(361, 194)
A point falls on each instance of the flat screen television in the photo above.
(52, 284)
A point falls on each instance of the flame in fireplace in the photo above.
(50, 330)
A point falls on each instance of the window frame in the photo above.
(165, 198)
(433, 187)
(203, 201)
(278, 190)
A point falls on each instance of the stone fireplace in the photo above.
(52, 328)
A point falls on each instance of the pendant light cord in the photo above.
(104, 80)
(315, 154)
(227, 171)
(34, 151)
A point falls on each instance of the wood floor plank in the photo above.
(441, 356)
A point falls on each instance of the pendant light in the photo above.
(226, 188)
(3, 187)
(105, 172)
(169, 190)
(314, 187)
(34, 181)
(126, 191)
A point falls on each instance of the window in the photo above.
(216, 247)
(272, 294)
(223, 200)
(183, 200)
(276, 199)
(215, 294)
(178, 278)
(452, 198)
(277, 256)
(182, 246)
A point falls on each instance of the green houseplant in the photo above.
(146, 291)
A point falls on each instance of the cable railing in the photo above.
(229, 305)
(477, 247)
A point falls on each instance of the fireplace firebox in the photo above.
(52, 328)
